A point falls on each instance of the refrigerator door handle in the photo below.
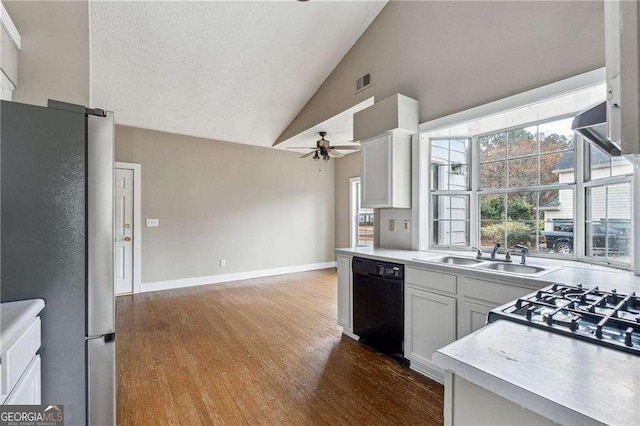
(101, 380)
(100, 183)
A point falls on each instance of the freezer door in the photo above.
(101, 357)
(100, 175)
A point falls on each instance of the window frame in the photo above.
(588, 183)
(475, 192)
(449, 192)
(354, 214)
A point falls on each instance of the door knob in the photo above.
(128, 225)
(127, 238)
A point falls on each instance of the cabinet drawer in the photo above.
(17, 358)
(431, 280)
(496, 294)
(28, 389)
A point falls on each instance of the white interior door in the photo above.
(124, 231)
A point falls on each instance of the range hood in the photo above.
(592, 124)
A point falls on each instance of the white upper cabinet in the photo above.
(623, 74)
(386, 171)
(384, 131)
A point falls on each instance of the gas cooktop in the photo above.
(606, 318)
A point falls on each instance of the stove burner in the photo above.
(607, 318)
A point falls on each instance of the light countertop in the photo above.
(562, 271)
(564, 379)
(15, 317)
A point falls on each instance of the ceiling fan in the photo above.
(324, 149)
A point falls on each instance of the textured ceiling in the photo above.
(232, 71)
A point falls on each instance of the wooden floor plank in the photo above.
(262, 351)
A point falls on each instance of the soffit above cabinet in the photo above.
(397, 112)
(339, 130)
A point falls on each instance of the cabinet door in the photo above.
(344, 292)
(27, 390)
(376, 172)
(474, 317)
(430, 324)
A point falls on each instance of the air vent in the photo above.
(363, 82)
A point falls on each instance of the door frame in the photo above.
(137, 222)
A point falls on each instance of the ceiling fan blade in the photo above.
(301, 147)
(346, 147)
(309, 154)
(335, 154)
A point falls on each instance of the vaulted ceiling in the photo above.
(232, 71)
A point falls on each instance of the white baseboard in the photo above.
(349, 333)
(434, 373)
(223, 278)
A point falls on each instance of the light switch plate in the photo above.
(392, 225)
(152, 223)
(406, 225)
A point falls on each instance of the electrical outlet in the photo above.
(223, 263)
(406, 225)
(152, 223)
(392, 225)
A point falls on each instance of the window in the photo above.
(361, 222)
(512, 172)
(608, 207)
(527, 185)
(450, 192)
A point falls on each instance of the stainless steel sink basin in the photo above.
(454, 260)
(514, 268)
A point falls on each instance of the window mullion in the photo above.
(474, 201)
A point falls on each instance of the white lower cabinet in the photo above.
(473, 317)
(20, 366)
(430, 324)
(27, 391)
(344, 293)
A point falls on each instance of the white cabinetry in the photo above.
(479, 297)
(429, 317)
(27, 391)
(430, 324)
(386, 171)
(473, 317)
(442, 307)
(344, 294)
(19, 344)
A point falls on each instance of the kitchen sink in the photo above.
(514, 268)
(454, 260)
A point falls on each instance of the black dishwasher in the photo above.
(378, 305)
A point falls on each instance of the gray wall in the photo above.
(258, 208)
(54, 60)
(452, 56)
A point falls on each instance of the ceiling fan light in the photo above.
(326, 157)
(316, 157)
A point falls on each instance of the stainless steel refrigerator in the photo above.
(56, 187)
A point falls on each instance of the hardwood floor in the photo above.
(261, 351)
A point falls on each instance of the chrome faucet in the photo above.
(478, 251)
(495, 251)
(523, 253)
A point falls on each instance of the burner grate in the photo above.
(607, 318)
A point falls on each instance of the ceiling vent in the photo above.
(363, 82)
